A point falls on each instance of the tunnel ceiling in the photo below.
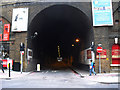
(58, 25)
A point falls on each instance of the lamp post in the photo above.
(35, 34)
(92, 52)
(26, 39)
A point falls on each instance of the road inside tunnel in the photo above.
(59, 25)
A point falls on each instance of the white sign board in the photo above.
(29, 54)
(19, 19)
(11, 63)
(87, 56)
(102, 13)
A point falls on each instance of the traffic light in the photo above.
(92, 47)
(22, 46)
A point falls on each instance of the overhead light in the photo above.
(99, 44)
(116, 40)
(116, 21)
(73, 45)
(77, 40)
(36, 33)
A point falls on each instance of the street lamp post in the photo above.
(21, 53)
(35, 34)
(26, 39)
(92, 52)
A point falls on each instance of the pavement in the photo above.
(105, 78)
(13, 74)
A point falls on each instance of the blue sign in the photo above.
(102, 12)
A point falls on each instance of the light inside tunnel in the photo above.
(59, 25)
(77, 40)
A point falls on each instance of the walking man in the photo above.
(2, 66)
(92, 68)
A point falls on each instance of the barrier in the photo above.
(38, 67)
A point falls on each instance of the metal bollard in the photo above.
(9, 69)
(38, 67)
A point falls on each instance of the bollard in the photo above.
(9, 69)
(38, 67)
(21, 61)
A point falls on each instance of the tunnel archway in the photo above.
(59, 25)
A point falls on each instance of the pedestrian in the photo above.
(92, 68)
(2, 66)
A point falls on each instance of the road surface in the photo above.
(53, 79)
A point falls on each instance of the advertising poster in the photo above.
(29, 54)
(89, 54)
(102, 13)
(11, 64)
(6, 32)
(103, 55)
(6, 63)
(0, 37)
(19, 19)
(116, 54)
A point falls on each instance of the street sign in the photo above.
(99, 49)
(22, 47)
(22, 52)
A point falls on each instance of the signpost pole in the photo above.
(21, 62)
(99, 50)
(22, 52)
(9, 69)
(99, 64)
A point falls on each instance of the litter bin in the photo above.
(38, 67)
(16, 66)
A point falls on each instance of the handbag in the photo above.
(90, 67)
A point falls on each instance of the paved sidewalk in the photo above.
(106, 78)
(13, 74)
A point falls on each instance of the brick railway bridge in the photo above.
(60, 23)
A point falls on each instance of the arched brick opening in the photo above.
(59, 25)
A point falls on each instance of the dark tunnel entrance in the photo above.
(59, 25)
